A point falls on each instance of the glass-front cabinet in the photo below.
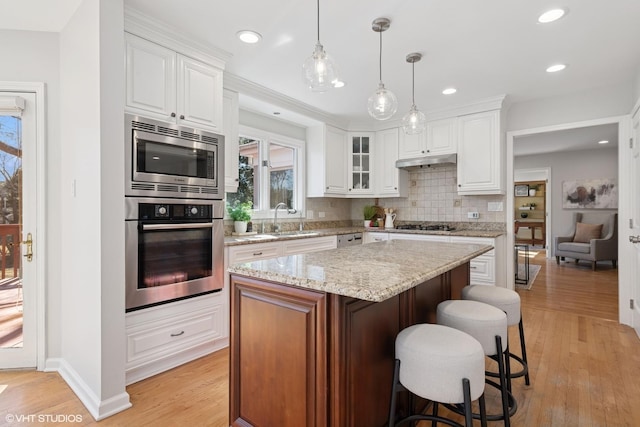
(361, 163)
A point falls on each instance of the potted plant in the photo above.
(240, 213)
(369, 213)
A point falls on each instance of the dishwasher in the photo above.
(350, 239)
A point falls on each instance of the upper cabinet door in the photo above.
(150, 79)
(442, 136)
(480, 154)
(412, 146)
(360, 166)
(199, 94)
(390, 181)
(335, 161)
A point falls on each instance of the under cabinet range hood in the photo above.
(428, 161)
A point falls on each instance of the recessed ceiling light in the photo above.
(556, 68)
(338, 83)
(249, 36)
(551, 15)
(604, 141)
(450, 91)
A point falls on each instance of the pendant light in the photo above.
(414, 121)
(383, 103)
(319, 71)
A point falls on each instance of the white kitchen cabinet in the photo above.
(163, 84)
(326, 161)
(442, 136)
(439, 137)
(375, 236)
(424, 237)
(308, 245)
(389, 180)
(163, 337)
(488, 268)
(480, 154)
(360, 165)
(231, 133)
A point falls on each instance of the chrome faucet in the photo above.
(276, 226)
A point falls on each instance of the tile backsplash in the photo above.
(433, 197)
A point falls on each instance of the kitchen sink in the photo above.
(296, 233)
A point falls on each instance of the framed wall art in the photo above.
(522, 190)
(600, 193)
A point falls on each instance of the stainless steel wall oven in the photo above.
(173, 248)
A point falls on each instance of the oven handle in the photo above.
(176, 226)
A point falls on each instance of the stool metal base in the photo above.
(524, 372)
(465, 406)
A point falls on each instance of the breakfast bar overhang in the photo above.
(313, 335)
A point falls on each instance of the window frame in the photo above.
(266, 138)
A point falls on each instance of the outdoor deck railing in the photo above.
(9, 249)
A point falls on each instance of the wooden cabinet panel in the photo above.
(283, 331)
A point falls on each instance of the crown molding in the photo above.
(170, 37)
(487, 104)
(262, 93)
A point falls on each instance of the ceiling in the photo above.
(483, 48)
(50, 16)
(584, 138)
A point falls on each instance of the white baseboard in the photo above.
(147, 370)
(98, 409)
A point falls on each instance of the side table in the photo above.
(525, 249)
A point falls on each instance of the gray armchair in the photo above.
(603, 249)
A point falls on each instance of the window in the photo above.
(270, 172)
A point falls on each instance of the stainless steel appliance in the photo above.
(350, 239)
(167, 160)
(173, 248)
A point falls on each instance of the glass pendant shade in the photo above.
(319, 71)
(414, 121)
(382, 104)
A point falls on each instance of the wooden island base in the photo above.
(301, 357)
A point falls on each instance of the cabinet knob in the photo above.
(237, 180)
(327, 188)
(173, 114)
(422, 151)
(428, 151)
(459, 185)
(395, 188)
(349, 189)
(181, 116)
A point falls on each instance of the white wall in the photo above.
(92, 88)
(596, 103)
(30, 56)
(568, 166)
(260, 121)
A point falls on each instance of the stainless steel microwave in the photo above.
(168, 160)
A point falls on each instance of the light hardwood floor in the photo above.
(584, 367)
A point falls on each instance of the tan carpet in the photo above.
(533, 273)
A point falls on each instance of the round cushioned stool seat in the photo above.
(481, 321)
(502, 298)
(434, 359)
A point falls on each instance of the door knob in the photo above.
(634, 239)
(29, 243)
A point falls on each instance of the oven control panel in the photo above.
(175, 211)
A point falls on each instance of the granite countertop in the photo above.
(372, 272)
(270, 237)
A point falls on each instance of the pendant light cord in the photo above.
(318, 4)
(380, 67)
(413, 83)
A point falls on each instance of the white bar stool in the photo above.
(442, 364)
(488, 325)
(509, 302)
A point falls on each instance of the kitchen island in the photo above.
(313, 335)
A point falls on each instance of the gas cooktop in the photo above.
(430, 227)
